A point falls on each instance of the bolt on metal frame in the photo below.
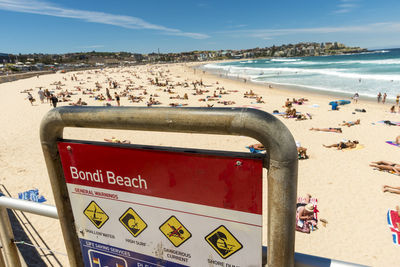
(282, 162)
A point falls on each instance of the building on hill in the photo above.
(4, 58)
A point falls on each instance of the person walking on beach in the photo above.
(108, 94)
(397, 100)
(117, 98)
(41, 95)
(379, 97)
(47, 95)
(31, 99)
(54, 100)
(384, 98)
(355, 97)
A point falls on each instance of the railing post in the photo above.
(281, 162)
(7, 240)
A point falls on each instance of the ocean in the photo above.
(366, 73)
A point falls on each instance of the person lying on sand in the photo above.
(78, 103)
(344, 144)
(116, 141)
(301, 117)
(257, 146)
(176, 97)
(350, 123)
(391, 189)
(26, 91)
(177, 105)
(332, 130)
(386, 166)
(299, 101)
(251, 93)
(226, 102)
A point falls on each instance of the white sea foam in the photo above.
(285, 59)
(323, 88)
(377, 62)
(337, 72)
(366, 74)
(376, 52)
(247, 62)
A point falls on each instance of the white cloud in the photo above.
(343, 10)
(129, 22)
(346, 6)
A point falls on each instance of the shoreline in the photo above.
(289, 87)
(290, 90)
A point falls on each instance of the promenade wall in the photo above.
(14, 77)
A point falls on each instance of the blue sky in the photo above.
(50, 26)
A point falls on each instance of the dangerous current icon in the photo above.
(174, 231)
(223, 242)
(95, 214)
(132, 222)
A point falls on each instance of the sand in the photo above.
(349, 192)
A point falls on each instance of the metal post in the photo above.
(7, 239)
(268, 130)
(2, 262)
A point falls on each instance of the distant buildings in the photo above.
(34, 62)
(4, 58)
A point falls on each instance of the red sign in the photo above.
(219, 181)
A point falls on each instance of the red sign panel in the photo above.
(233, 183)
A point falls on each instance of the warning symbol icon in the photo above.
(95, 214)
(223, 242)
(174, 230)
(132, 222)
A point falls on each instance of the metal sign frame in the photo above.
(282, 162)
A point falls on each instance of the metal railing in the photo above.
(301, 260)
(281, 162)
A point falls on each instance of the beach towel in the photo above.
(253, 150)
(340, 102)
(32, 195)
(393, 219)
(358, 146)
(284, 113)
(393, 143)
(391, 172)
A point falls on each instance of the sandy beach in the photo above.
(348, 190)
